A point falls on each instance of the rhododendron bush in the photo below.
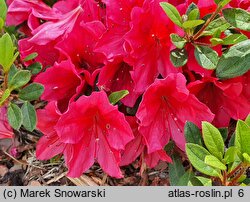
(124, 79)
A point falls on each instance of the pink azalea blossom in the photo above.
(115, 76)
(5, 129)
(61, 82)
(148, 44)
(96, 131)
(173, 105)
(224, 98)
(137, 147)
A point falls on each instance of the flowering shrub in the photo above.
(122, 78)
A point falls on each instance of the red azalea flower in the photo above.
(51, 30)
(93, 129)
(244, 4)
(118, 19)
(5, 129)
(149, 44)
(138, 146)
(47, 54)
(115, 76)
(20, 11)
(224, 98)
(61, 83)
(82, 40)
(166, 106)
(49, 145)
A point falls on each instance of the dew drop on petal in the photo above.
(56, 87)
(175, 119)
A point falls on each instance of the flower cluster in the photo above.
(91, 48)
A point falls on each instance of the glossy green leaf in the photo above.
(117, 96)
(197, 154)
(195, 182)
(192, 133)
(232, 140)
(15, 117)
(238, 18)
(29, 116)
(20, 79)
(235, 61)
(7, 52)
(4, 96)
(217, 24)
(234, 39)
(178, 41)
(213, 140)
(231, 154)
(206, 57)
(1, 23)
(222, 3)
(31, 92)
(3, 9)
(194, 14)
(178, 57)
(176, 170)
(205, 181)
(214, 162)
(224, 133)
(242, 137)
(246, 158)
(247, 121)
(13, 70)
(216, 41)
(172, 13)
(35, 68)
(30, 57)
(190, 24)
(184, 179)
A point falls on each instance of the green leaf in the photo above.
(178, 41)
(3, 9)
(205, 181)
(5, 96)
(195, 182)
(232, 140)
(7, 50)
(217, 24)
(191, 7)
(192, 133)
(30, 57)
(197, 154)
(222, 3)
(172, 13)
(35, 68)
(214, 162)
(178, 57)
(190, 24)
(31, 92)
(242, 137)
(1, 23)
(230, 155)
(235, 61)
(15, 117)
(234, 39)
(184, 179)
(117, 96)
(176, 170)
(20, 79)
(29, 116)
(247, 121)
(224, 133)
(213, 140)
(216, 41)
(13, 70)
(194, 14)
(238, 18)
(206, 57)
(246, 158)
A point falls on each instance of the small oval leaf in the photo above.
(31, 92)
(29, 116)
(15, 117)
